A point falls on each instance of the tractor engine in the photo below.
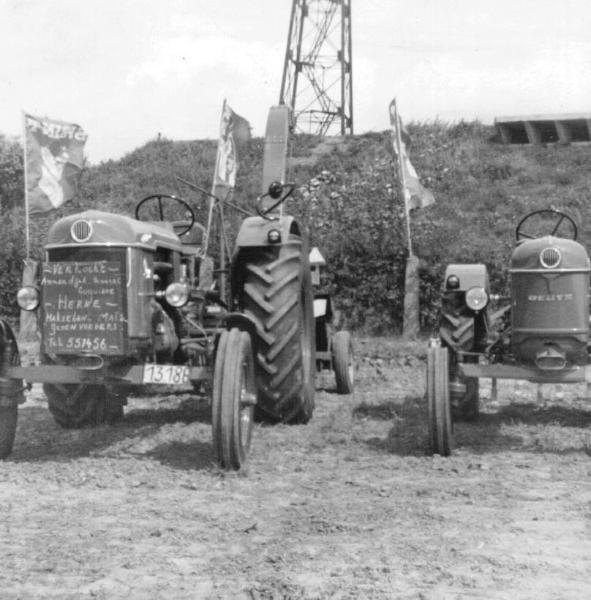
(164, 338)
(550, 303)
(109, 287)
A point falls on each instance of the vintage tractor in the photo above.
(126, 301)
(540, 334)
(334, 346)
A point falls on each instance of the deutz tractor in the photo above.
(124, 302)
(540, 333)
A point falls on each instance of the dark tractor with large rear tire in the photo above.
(271, 285)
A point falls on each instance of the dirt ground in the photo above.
(349, 506)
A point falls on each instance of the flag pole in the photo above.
(213, 198)
(222, 235)
(410, 318)
(401, 177)
(25, 170)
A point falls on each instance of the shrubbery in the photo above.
(348, 197)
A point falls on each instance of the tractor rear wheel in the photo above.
(466, 406)
(276, 293)
(459, 335)
(233, 399)
(465, 398)
(8, 420)
(342, 361)
(78, 405)
(438, 406)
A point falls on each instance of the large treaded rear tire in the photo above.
(276, 293)
(459, 333)
(74, 406)
(8, 420)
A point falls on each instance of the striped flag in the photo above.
(54, 154)
(234, 131)
(415, 195)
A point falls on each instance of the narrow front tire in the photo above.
(233, 399)
(438, 405)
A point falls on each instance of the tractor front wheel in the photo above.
(77, 405)
(342, 362)
(438, 405)
(234, 397)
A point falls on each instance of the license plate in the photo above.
(165, 374)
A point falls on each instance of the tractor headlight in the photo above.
(28, 297)
(274, 236)
(177, 294)
(476, 298)
(453, 282)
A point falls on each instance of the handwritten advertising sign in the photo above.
(83, 308)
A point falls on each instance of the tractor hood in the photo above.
(550, 303)
(549, 253)
(98, 228)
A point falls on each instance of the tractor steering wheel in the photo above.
(546, 214)
(184, 224)
(277, 191)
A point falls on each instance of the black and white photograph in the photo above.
(295, 300)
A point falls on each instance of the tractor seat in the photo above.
(194, 236)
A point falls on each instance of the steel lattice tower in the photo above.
(317, 72)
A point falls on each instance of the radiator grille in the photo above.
(550, 258)
(81, 231)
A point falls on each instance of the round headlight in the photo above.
(28, 298)
(476, 298)
(177, 294)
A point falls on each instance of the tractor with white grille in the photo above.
(539, 333)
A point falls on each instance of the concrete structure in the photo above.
(542, 129)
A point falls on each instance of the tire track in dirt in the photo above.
(348, 506)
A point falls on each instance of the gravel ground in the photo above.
(349, 506)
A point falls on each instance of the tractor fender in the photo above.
(461, 328)
(469, 276)
(244, 323)
(254, 231)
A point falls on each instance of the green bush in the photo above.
(348, 197)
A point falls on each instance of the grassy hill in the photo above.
(347, 197)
